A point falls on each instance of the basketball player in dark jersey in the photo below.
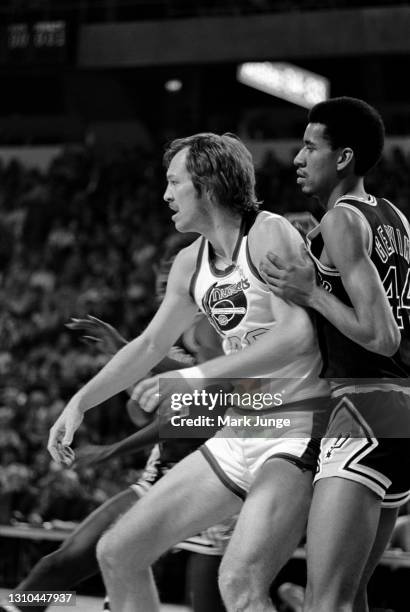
(358, 279)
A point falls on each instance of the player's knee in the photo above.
(234, 587)
(228, 587)
(108, 553)
(116, 558)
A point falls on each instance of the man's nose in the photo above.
(299, 160)
(167, 195)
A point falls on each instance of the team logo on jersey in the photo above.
(226, 305)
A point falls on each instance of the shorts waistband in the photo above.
(312, 404)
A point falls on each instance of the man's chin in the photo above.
(306, 190)
(181, 228)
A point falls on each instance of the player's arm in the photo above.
(369, 322)
(109, 341)
(93, 454)
(137, 357)
(147, 435)
(140, 355)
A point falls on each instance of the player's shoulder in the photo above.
(268, 224)
(272, 232)
(185, 262)
(341, 219)
(342, 227)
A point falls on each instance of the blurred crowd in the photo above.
(87, 239)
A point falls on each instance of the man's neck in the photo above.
(223, 234)
(353, 186)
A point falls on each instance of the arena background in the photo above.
(90, 91)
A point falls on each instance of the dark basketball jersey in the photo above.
(389, 250)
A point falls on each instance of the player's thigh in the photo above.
(272, 520)
(189, 498)
(342, 526)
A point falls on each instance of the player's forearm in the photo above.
(167, 364)
(365, 330)
(137, 442)
(272, 351)
(130, 364)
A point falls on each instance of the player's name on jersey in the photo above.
(256, 420)
(387, 242)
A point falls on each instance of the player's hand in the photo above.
(146, 394)
(92, 454)
(138, 416)
(150, 393)
(62, 432)
(98, 332)
(294, 281)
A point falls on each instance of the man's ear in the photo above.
(345, 157)
(209, 193)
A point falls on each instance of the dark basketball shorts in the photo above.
(368, 441)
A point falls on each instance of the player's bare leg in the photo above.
(385, 529)
(184, 502)
(269, 528)
(75, 559)
(342, 528)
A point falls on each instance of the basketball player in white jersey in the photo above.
(357, 278)
(267, 479)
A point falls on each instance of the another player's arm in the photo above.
(292, 334)
(92, 454)
(144, 437)
(370, 321)
(138, 357)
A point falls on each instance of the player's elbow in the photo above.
(385, 341)
(152, 348)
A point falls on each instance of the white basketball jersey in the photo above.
(241, 308)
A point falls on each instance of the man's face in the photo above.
(316, 163)
(181, 195)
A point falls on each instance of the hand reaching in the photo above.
(62, 432)
(98, 332)
(294, 281)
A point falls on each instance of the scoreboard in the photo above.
(36, 42)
